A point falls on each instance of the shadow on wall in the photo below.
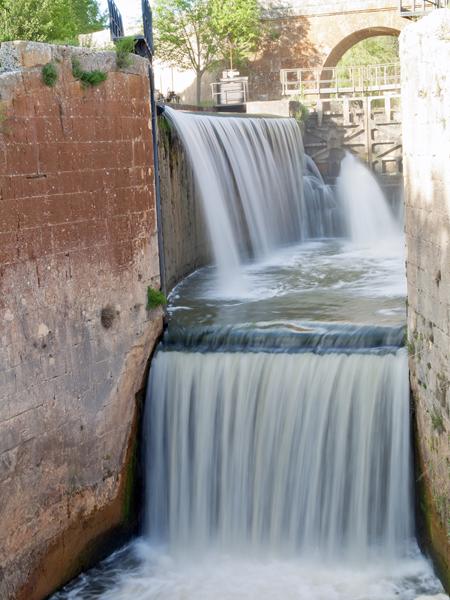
(288, 47)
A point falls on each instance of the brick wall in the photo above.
(425, 56)
(78, 248)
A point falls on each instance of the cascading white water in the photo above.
(284, 453)
(365, 209)
(249, 173)
(277, 424)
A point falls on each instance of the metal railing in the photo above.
(115, 21)
(354, 80)
(147, 19)
(417, 8)
(229, 92)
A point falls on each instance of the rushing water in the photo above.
(249, 174)
(277, 427)
(366, 213)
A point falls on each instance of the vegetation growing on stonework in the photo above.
(124, 50)
(301, 111)
(437, 421)
(49, 74)
(3, 119)
(155, 298)
(49, 20)
(87, 78)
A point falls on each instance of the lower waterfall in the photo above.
(289, 453)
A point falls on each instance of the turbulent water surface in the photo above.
(277, 426)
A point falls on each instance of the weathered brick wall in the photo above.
(77, 236)
(425, 59)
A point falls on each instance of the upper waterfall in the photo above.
(250, 176)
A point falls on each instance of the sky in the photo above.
(129, 9)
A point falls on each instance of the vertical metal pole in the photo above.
(162, 264)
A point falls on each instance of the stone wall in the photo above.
(78, 248)
(185, 238)
(425, 59)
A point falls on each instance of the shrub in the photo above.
(124, 49)
(155, 298)
(49, 74)
(87, 78)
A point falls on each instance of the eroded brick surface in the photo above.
(77, 234)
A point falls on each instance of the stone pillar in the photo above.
(425, 61)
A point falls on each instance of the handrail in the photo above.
(115, 21)
(340, 80)
(417, 8)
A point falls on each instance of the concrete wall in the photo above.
(185, 238)
(425, 56)
(78, 248)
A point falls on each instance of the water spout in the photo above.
(367, 215)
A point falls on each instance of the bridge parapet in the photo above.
(329, 7)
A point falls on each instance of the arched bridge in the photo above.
(361, 113)
(317, 33)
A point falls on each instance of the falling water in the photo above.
(287, 453)
(278, 460)
(249, 173)
(367, 214)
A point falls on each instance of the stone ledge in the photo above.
(18, 55)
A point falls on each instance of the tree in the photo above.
(48, 20)
(381, 49)
(198, 34)
(238, 27)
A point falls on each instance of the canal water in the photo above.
(277, 423)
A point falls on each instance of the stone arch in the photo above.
(357, 36)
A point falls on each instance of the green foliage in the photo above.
(437, 421)
(376, 50)
(198, 34)
(237, 27)
(49, 74)
(87, 78)
(124, 49)
(155, 298)
(301, 111)
(49, 20)
(3, 120)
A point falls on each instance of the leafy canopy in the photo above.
(48, 20)
(196, 34)
(381, 49)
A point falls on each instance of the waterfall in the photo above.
(292, 453)
(368, 217)
(250, 176)
(277, 425)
